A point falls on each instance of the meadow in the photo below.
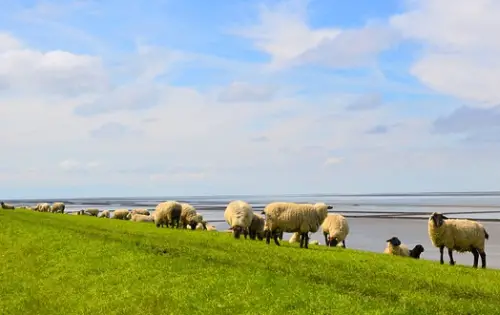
(63, 264)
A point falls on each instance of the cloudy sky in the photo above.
(172, 97)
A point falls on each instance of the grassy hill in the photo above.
(62, 264)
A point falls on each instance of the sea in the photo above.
(372, 218)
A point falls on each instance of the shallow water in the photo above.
(365, 233)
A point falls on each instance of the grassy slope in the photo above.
(62, 264)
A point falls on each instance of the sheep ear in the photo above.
(444, 217)
(329, 207)
(263, 212)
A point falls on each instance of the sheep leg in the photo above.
(301, 238)
(268, 236)
(275, 236)
(245, 233)
(343, 243)
(441, 250)
(281, 235)
(475, 253)
(306, 240)
(483, 258)
(326, 238)
(450, 254)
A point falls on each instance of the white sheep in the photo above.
(42, 207)
(58, 207)
(210, 227)
(294, 217)
(461, 235)
(6, 206)
(189, 216)
(93, 212)
(335, 229)
(121, 214)
(396, 248)
(104, 214)
(136, 217)
(256, 228)
(168, 213)
(238, 215)
(140, 211)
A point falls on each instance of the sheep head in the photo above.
(438, 219)
(332, 241)
(394, 241)
(417, 251)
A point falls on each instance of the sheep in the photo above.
(140, 211)
(104, 214)
(294, 217)
(256, 228)
(210, 227)
(238, 215)
(120, 214)
(189, 216)
(396, 248)
(136, 217)
(6, 206)
(461, 235)
(168, 213)
(93, 212)
(58, 207)
(42, 207)
(335, 229)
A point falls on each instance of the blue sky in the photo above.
(168, 97)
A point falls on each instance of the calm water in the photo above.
(365, 233)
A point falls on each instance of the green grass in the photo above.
(62, 264)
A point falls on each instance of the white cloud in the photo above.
(71, 165)
(59, 72)
(245, 92)
(332, 161)
(283, 32)
(460, 50)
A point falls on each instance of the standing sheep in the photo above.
(168, 213)
(238, 215)
(104, 214)
(190, 217)
(461, 235)
(293, 217)
(6, 206)
(58, 207)
(121, 214)
(396, 248)
(256, 228)
(42, 207)
(335, 229)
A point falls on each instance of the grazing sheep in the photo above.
(189, 216)
(93, 212)
(121, 214)
(6, 206)
(238, 215)
(396, 248)
(256, 228)
(104, 214)
(58, 207)
(168, 213)
(42, 207)
(461, 235)
(136, 217)
(140, 211)
(293, 217)
(335, 229)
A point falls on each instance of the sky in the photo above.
(170, 97)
